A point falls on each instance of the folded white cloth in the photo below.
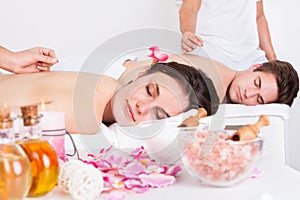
(273, 109)
(125, 137)
(160, 137)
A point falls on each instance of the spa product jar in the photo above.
(15, 173)
(42, 156)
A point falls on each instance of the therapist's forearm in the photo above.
(265, 42)
(187, 22)
(5, 59)
(188, 15)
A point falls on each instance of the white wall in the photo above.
(74, 27)
(283, 17)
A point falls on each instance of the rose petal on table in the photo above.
(173, 170)
(257, 172)
(157, 180)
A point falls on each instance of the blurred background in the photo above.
(76, 27)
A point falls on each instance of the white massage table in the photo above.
(279, 181)
(229, 116)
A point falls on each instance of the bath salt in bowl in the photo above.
(215, 160)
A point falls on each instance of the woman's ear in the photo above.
(255, 66)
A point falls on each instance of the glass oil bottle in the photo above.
(42, 157)
(15, 172)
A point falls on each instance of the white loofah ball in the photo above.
(81, 180)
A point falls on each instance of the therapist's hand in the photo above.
(33, 60)
(190, 41)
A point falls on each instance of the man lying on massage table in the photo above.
(270, 82)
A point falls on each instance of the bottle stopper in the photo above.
(30, 115)
(250, 131)
(193, 121)
(5, 120)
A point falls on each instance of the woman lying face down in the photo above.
(164, 90)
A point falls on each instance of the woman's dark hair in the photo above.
(198, 86)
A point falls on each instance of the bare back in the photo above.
(82, 96)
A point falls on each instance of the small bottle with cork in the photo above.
(42, 156)
(15, 176)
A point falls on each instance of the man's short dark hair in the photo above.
(286, 77)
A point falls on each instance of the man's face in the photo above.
(253, 88)
(150, 97)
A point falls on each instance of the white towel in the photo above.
(273, 109)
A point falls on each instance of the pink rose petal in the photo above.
(157, 55)
(257, 172)
(133, 169)
(173, 170)
(263, 153)
(136, 172)
(157, 180)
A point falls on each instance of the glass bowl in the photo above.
(215, 160)
(165, 146)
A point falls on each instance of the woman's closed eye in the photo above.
(152, 90)
(159, 113)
